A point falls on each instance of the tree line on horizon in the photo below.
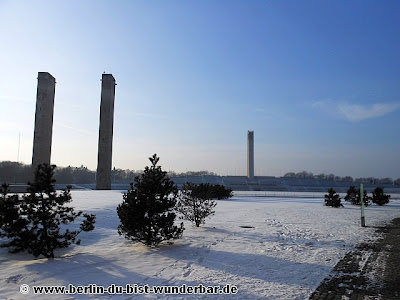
(16, 172)
(332, 177)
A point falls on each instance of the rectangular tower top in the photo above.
(107, 77)
(45, 75)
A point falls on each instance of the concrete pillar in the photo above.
(250, 154)
(104, 160)
(43, 119)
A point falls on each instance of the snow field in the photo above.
(270, 248)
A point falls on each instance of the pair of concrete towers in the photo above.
(44, 126)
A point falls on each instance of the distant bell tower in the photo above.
(43, 119)
(250, 154)
(104, 159)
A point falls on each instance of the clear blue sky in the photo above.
(317, 81)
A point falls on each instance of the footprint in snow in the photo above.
(188, 265)
(15, 278)
(187, 273)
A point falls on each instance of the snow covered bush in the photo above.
(379, 197)
(146, 213)
(217, 191)
(332, 199)
(196, 203)
(33, 224)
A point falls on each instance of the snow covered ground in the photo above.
(270, 248)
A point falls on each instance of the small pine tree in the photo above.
(146, 213)
(11, 224)
(196, 202)
(41, 212)
(354, 196)
(332, 199)
(351, 195)
(379, 197)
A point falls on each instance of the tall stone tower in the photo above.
(250, 154)
(104, 160)
(43, 119)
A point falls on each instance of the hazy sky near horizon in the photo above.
(317, 81)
